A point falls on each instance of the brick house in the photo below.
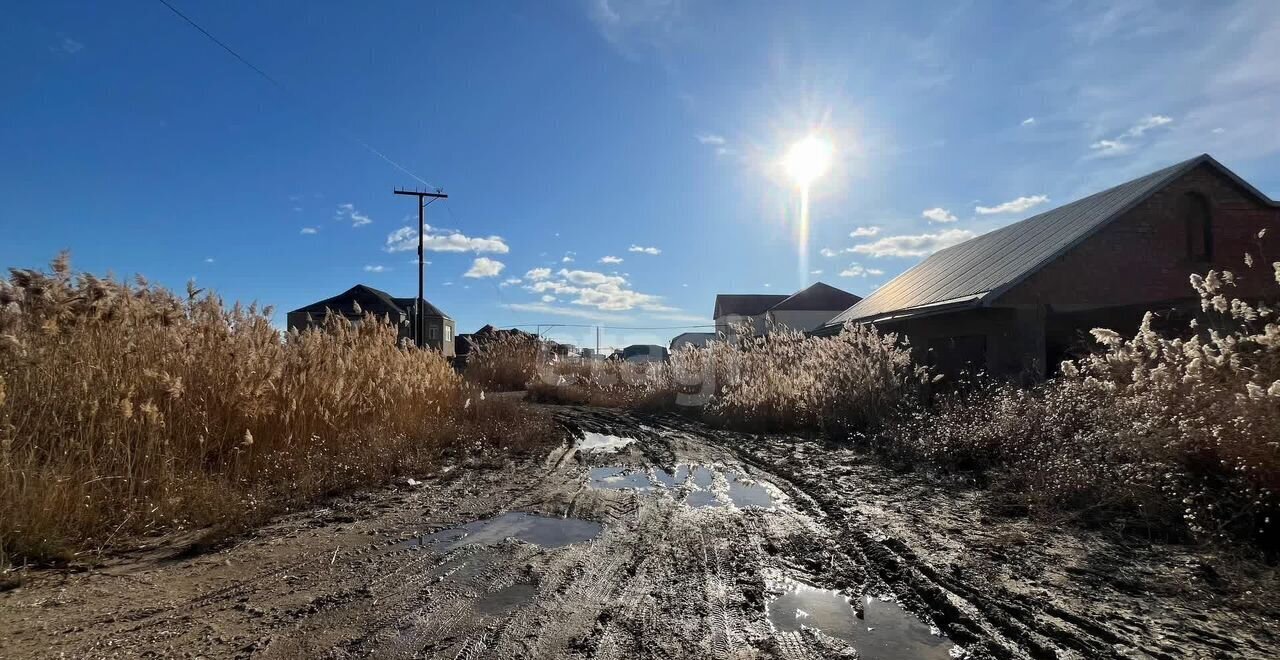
(437, 326)
(1017, 300)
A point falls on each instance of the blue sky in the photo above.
(629, 149)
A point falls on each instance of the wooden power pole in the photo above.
(422, 224)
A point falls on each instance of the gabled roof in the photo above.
(818, 297)
(371, 300)
(979, 270)
(745, 304)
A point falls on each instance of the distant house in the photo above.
(810, 308)
(695, 339)
(804, 310)
(437, 326)
(645, 353)
(1017, 300)
(733, 309)
(464, 344)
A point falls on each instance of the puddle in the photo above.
(699, 480)
(886, 632)
(619, 478)
(507, 598)
(602, 443)
(540, 530)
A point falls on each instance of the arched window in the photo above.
(1198, 218)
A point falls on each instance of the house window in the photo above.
(1198, 218)
(448, 333)
(431, 333)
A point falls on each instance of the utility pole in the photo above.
(422, 224)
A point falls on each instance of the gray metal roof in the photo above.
(371, 300)
(982, 268)
(745, 304)
(819, 296)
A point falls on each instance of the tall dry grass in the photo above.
(1178, 435)
(505, 364)
(126, 409)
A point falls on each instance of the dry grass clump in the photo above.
(505, 364)
(789, 381)
(1175, 434)
(126, 409)
(606, 383)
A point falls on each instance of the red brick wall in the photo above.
(1142, 256)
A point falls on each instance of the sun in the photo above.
(808, 159)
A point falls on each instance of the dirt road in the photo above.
(654, 538)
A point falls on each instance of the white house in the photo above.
(810, 308)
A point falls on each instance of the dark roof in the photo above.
(370, 300)
(745, 304)
(981, 269)
(818, 297)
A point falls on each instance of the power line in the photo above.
(347, 134)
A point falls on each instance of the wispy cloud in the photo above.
(644, 250)
(917, 245)
(828, 252)
(68, 45)
(858, 270)
(484, 267)
(1124, 143)
(538, 274)
(711, 139)
(1013, 206)
(568, 257)
(610, 259)
(630, 25)
(310, 230)
(860, 232)
(938, 214)
(510, 281)
(576, 312)
(376, 269)
(440, 240)
(208, 260)
(349, 212)
(1029, 121)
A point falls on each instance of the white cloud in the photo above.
(1124, 142)
(610, 259)
(510, 281)
(857, 270)
(815, 272)
(568, 257)
(828, 252)
(592, 289)
(70, 46)
(1013, 206)
(1110, 147)
(548, 298)
(859, 232)
(310, 230)
(208, 260)
(645, 250)
(913, 246)
(1029, 121)
(1147, 123)
(376, 269)
(438, 240)
(349, 212)
(711, 139)
(484, 267)
(938, 214)
(538, 274)
(543, 308)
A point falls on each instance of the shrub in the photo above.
(1178, 435)
(505, 364)
(127, 409)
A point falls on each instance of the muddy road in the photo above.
(652, 537)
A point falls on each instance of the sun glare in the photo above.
(808, 159)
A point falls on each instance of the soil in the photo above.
(655, 537)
